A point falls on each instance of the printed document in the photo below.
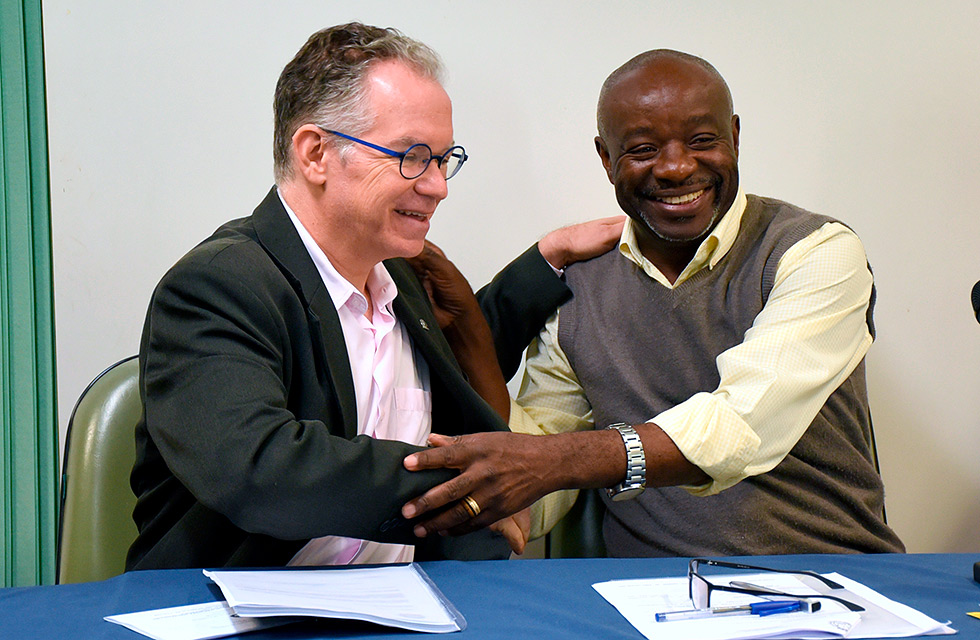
(640, 600)
(400, 596)
(193, 622)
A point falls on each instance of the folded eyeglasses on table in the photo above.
(700, 589)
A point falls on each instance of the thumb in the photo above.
(437, 440)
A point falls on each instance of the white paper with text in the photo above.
(639, 601)
(400, 596)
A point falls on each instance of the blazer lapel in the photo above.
(325, 325)
(414, 310)
(276, 233)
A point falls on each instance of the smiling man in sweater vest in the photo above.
(709, 375)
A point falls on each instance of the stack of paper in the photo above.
(640, 600)
(399, 596)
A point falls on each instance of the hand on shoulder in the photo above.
(582, 241)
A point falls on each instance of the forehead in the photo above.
(408, 105)
(666, 92)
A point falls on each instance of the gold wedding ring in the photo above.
(471, 506)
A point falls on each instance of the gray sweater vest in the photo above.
(639, 348)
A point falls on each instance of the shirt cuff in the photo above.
(712, 436)
(558, 272)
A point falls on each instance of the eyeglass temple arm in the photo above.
(390, 152)
(735, 565)
(847, 603)
(457, 151)
(759, 590)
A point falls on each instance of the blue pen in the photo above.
(755, 609)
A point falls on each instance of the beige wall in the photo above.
(160, 129)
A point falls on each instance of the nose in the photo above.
(675, 163)
(432, 183)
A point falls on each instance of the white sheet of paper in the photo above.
(193, 622)
(640, 600)
(887, 618)
(393, 595)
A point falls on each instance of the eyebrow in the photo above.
(408, 141)
(405, 140)
(692, 120)
(701, 118)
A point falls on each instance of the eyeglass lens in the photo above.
(417, 157)
(700, 588)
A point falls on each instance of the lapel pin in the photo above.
(423, 324)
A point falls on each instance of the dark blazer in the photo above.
(248, 446)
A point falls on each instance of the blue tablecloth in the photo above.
(507, 599)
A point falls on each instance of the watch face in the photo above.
(625, 494)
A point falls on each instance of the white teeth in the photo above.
(691, 197)
(414, 214)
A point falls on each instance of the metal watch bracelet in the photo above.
(636, 465)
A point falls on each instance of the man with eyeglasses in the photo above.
(291, 361)
(707, 377)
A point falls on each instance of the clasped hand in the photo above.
(502, 471)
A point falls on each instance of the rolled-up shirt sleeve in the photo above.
(807, 340)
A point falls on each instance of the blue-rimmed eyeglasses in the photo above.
(700, 590)
(415, 160)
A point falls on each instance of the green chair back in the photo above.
(96, 500)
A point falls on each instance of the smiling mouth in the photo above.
(684, 199)
(414, 214)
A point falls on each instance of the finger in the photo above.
(611, 227)
(440, 456)
(511, 530)
(523, 520)
(438, 497)
(431, 257)
(427, 257)
(455, 521)
(434, 248)
(615, 220)
(419, 260)
(439, 440)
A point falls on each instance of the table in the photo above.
(539, 599)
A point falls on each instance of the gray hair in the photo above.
(324, 83)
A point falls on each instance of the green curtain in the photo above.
(29, 447)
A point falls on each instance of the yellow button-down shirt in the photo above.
(808, 338)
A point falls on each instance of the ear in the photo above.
(310, 154)
(600, 147)
(735, 128)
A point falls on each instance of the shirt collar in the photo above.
(343, 293)
(710, 252)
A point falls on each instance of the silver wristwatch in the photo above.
(636, 465)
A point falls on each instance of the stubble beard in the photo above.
(716, 213)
